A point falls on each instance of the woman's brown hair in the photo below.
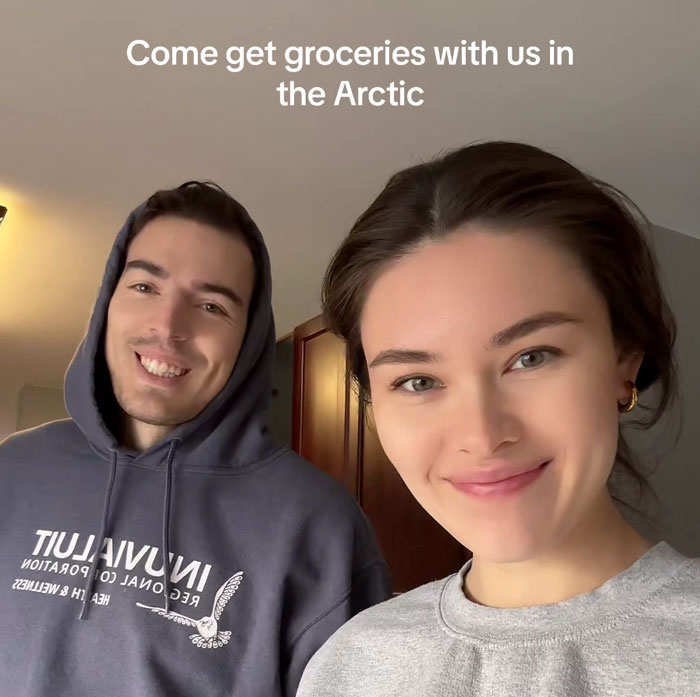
(509, 187)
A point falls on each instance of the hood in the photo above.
(231, 430)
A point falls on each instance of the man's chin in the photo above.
(164, 418)
(159, 421)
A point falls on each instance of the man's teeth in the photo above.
(162, 370)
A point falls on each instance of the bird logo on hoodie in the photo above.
(208, 635)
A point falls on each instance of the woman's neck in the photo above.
(589, 557)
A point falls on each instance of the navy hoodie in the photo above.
(265, 555)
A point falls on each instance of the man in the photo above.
(224, 560)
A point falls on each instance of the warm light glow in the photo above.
(20, 219)
(9, 196)
(16, 207)
(52, 253)
(12, 202)
(51, 261)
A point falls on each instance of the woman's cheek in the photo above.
(407, 436)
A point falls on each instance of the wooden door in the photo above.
(320, 409)
(417, 549)
(334, 431)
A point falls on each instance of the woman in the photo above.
(502, 310)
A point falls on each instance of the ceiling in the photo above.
(85, 136)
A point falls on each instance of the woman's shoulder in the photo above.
(410, 612)
(376, 643)
(668, 599)
(682, 585)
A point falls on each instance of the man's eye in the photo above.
(213, 309)
(142, 288)
(415, 385)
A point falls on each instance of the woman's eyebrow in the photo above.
(394, 356)
(519, 329)
(529, 325)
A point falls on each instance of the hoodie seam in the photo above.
(220, 471)
(375, 562)
(336, 605)
(320, 617)
(365, 523)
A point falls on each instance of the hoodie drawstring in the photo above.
(167, 499)
(90, 580)
(165, 550)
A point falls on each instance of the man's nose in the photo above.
(171, 320)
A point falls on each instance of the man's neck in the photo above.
(588, 558)
(141, 436)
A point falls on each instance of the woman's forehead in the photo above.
(477, 282)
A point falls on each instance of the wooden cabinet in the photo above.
(333, 431)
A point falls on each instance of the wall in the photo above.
(37, 405)
(8, 406)
(677, 476)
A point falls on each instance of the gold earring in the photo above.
(627, 408)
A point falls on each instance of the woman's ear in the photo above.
(629, 363)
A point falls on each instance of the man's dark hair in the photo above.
(203, 202)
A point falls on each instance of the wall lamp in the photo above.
(3, 213)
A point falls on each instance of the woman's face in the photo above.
(495, 382)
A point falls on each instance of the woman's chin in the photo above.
(509, 547)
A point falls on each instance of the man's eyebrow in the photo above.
(227, 292)
(147, 266)
(529, 325)
(395, 356)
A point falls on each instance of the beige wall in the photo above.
(37, 405)
(677, 476)
(8, 407)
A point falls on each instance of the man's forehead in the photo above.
(166, 227)
(227, 270)
(181, 239)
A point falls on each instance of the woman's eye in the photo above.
(534, 359)
(417, 384)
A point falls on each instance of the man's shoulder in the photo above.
(299, 478)
(317, 506)
(41, 439)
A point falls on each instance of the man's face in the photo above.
(177, 319)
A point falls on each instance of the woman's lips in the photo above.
(502, 487)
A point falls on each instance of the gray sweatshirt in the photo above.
(638, 635)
